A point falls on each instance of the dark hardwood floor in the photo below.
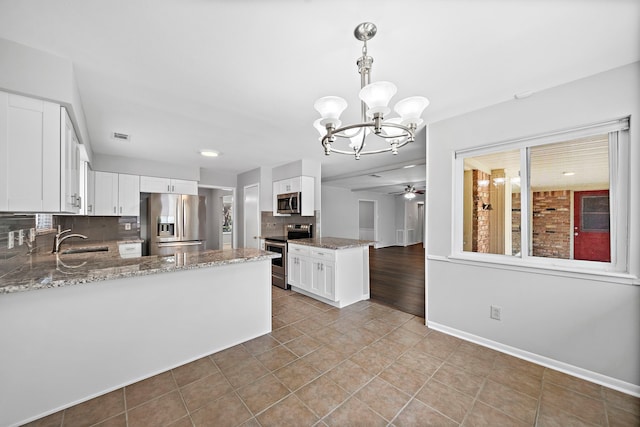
(397, 277)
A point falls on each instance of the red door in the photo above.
(591, 226)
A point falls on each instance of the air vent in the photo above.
(120, 136)
(373, 175)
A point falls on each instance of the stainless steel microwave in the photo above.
(289, 203)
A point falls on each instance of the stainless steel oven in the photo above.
(278, 244)
(278, 265)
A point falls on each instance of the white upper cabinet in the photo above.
(299, 184)
(29, 154)
(154, 184)
(70, 200)
(39, 157)
(116, 194)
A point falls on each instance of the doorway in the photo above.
(367, 220)
(591, 236)
(252, 216)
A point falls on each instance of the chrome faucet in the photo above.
(57, 241)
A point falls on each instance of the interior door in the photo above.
(591, 241)
(252, 216)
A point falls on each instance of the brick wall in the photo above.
(515, 223)
(552, 224)
(480, 219)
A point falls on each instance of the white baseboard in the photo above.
(576, 371)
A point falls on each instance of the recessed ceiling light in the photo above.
(568, 173)
(409, 166)
(209, 153)
(523, 95)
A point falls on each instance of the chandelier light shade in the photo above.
(375, 98)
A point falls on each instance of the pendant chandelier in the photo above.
(352, 139)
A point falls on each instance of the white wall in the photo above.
(133, 166)
(340, 214)
(38, 74)
(582, 324)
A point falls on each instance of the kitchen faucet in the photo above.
(57, 241)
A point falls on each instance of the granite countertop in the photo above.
(48, 270)
(332, 242)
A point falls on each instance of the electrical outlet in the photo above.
(32, 234)
(495, 312)
(127, 226)
(10, 240)
(20, 237)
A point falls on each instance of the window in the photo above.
(554, 199)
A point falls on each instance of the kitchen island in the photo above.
(77, 326)
(333, 270)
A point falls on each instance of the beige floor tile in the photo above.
(619, 417)
(378, 327)
(276, 358)
(404, 378)
(296, 374)
(261, 344)
(572, 383)
(229, 411)
(228, 358)
(244, 372)
(182, 422)
(193, 371)
(308, 325)
(483, 415)
(322, 395)
(511, 362)
(459, 379)
(437, 344)
(199, 393)
(446, 400)
(290, 412)
(383, 398)
(621, 400)
(509, 401)
(354, 413)
(345, 346)
(350, 376)
(404, 337)
(278, 323)
(418, 414)
(371, 360)
(286, 334)
(388, 347)
(150, 388)
(420, 361)
(468, 362)
(160, 411)
(95, 410)
(362, 336)
(583, 407)
(326, 335)
(517, 379)
(323, 359)
(117, 421)
(53, 420)
(417, 326)
(552, 416)
(303, 345)
(263, 393)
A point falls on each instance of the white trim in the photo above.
(576, 371)
(490, 261)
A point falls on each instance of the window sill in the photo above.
(539, 268)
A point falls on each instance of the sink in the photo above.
(85, 250)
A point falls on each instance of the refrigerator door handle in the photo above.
(174, 244)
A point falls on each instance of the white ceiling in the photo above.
(241, 76)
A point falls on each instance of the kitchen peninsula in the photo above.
(330, 269)
(79, 325)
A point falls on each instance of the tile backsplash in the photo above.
(102, 228)
(272, 226)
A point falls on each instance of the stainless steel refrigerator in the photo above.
(177, 223)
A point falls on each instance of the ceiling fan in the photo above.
(410, 192)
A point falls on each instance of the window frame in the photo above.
(619, 176)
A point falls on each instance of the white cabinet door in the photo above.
(128, 195)
(182, 186)
(154, 184)
(293, 275)
(69, 165)
(106, 193)
(90, 191)
(29, 154)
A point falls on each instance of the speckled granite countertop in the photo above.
(41, 271)
(332, 242)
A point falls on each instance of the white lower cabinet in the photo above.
(338, 277)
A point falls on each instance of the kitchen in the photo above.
(178, 124)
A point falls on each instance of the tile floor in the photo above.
(363, 365)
